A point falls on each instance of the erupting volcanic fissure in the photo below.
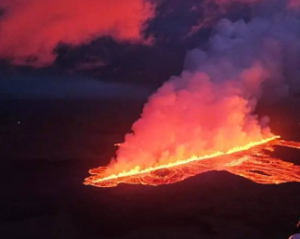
(205, 119)
(251, 161)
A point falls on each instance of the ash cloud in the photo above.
(32, 29)
(210, 106)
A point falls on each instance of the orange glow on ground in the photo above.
(250, 161)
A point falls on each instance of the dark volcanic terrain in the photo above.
(47, 148)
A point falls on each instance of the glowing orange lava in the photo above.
(251, 161)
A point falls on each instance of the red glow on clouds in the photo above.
(294, 4)
(32, 29)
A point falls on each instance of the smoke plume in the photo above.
(210, 106)
(32, 29)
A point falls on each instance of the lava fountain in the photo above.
(252, 161)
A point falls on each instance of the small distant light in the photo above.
(19, 122)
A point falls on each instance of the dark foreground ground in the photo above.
(47, 148)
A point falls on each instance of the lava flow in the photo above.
(252, 161)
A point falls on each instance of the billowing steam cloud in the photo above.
(31, 29)
(210, 106)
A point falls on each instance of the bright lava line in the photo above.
(137, 170)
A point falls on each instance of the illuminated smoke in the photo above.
(210, 106)
(294, 4)
(32, 29)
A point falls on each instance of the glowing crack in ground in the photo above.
(252, 161)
